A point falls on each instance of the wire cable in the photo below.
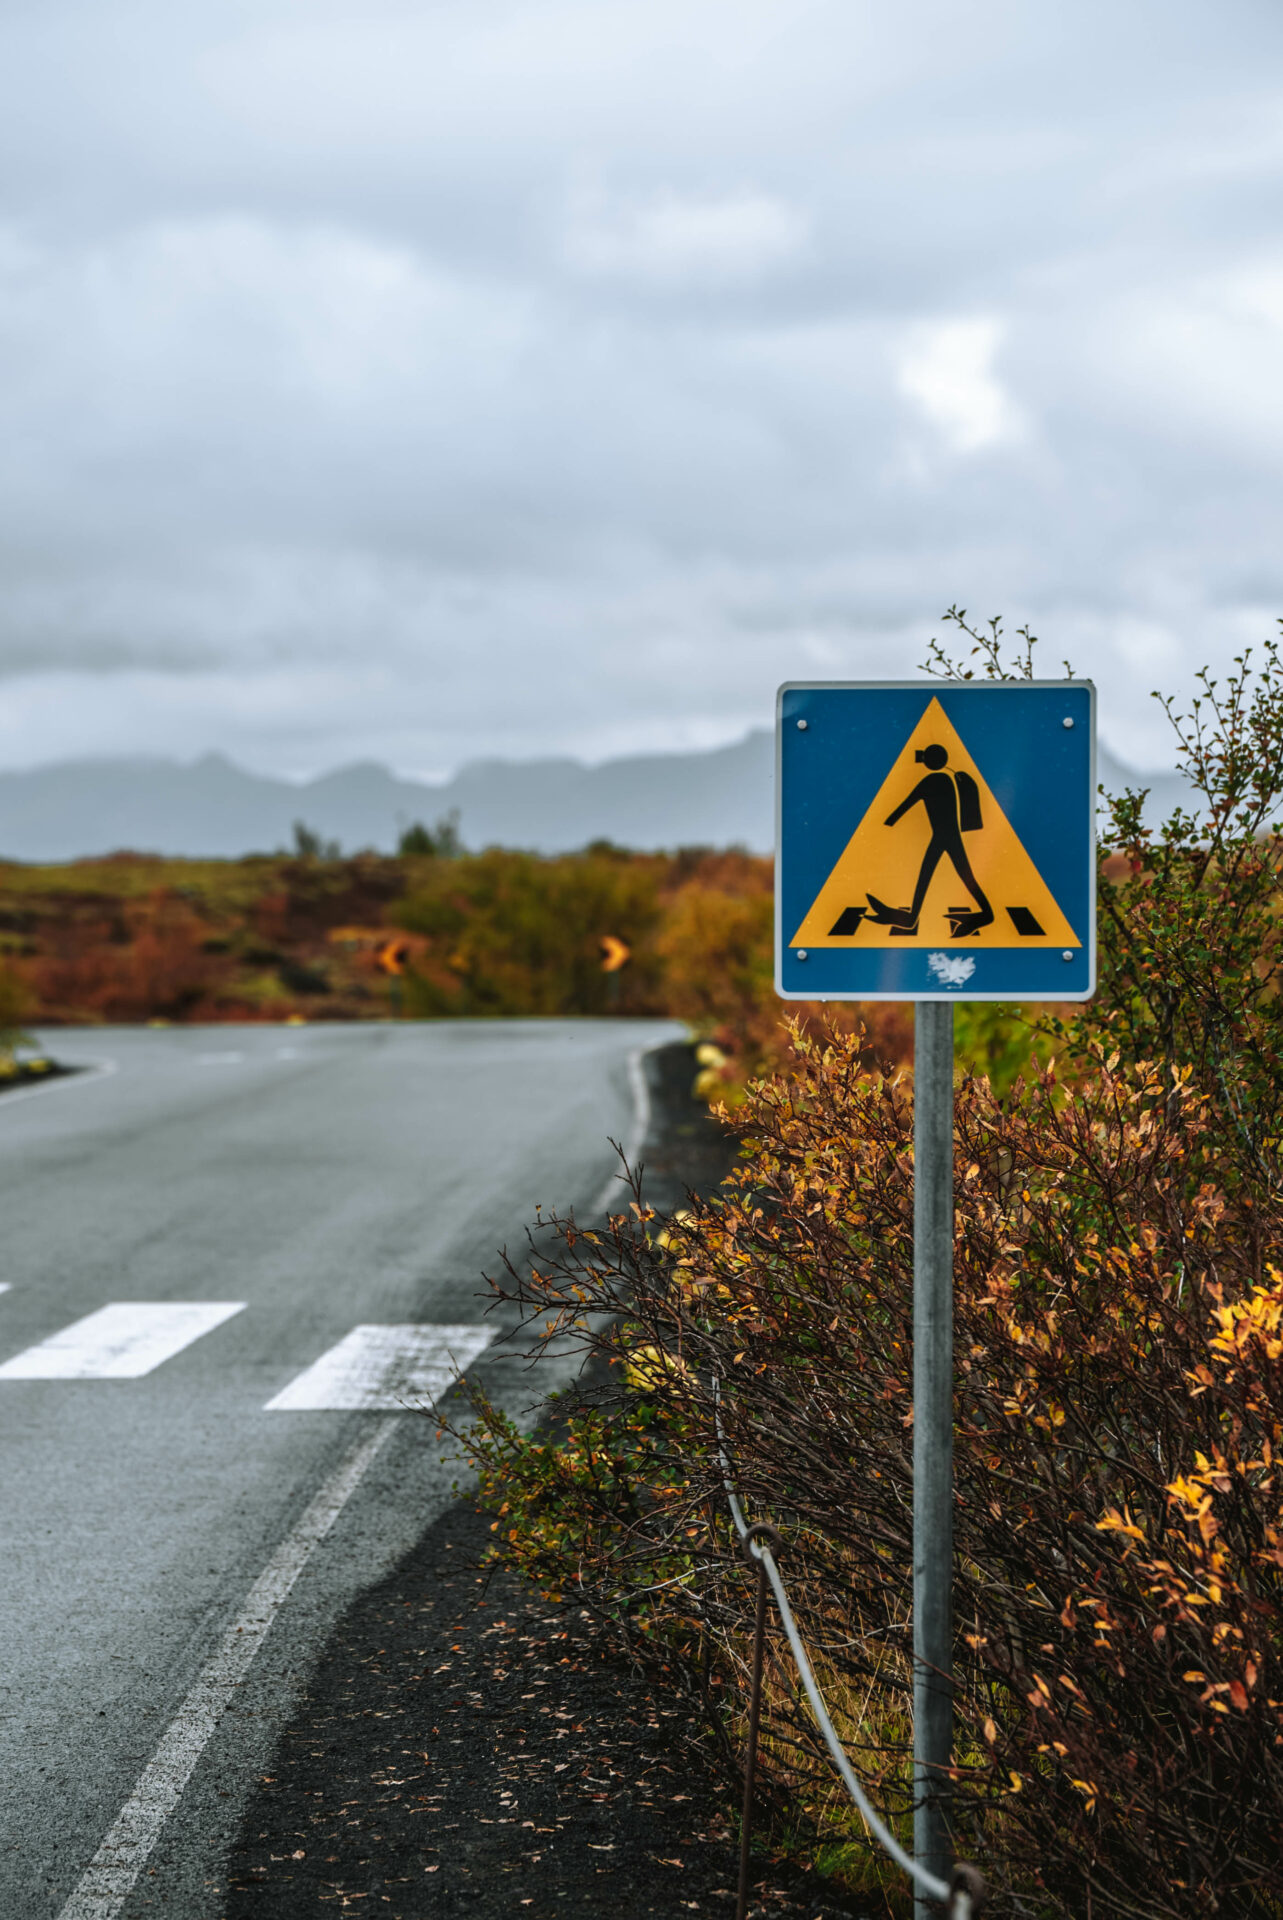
(962, 1897)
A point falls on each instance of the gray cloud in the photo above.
(417, 382)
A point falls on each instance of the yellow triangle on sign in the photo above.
(935, 862)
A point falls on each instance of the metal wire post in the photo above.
(932, 1442)
(964, 1893)
(770, 1538)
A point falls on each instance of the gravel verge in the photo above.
(465, 1747)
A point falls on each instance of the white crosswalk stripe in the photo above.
(383, 1369)
(121, 1341)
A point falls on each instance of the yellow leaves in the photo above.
(1040, 1696)
(1115, 1522)
(1063, 1325)
(688, 1281)
(1255, 1319)
(647, 1370)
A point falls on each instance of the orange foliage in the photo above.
(1119, 1417)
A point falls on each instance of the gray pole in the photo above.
(932, 1438)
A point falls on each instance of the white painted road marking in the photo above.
(4, 1286)
(615, 1196)
(383, 1369)
(120, 1341)
(105, 1884)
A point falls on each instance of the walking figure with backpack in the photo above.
(952, 802)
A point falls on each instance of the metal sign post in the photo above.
(935, 844)
(932, 1439)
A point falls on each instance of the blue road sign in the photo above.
(936, 841)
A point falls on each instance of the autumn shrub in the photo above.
(512, 933)
(75, 973)
(164, 970)
(719, 962)
(145, 957)
(134, 936)
(1119, 1342)
(1192, 923)
(16, 1004)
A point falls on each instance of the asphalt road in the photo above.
(272, 1215)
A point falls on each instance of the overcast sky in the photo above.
(426, 381)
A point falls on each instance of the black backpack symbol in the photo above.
(968, 803)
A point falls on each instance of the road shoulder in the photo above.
(466, 1747)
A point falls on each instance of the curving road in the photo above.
(225, 1253)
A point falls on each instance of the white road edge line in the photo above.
(614, 1191)
(79, 1077)
(106, 1881)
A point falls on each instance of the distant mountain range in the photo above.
(212, 807)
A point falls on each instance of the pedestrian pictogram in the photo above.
(935, 861)
(936, 843)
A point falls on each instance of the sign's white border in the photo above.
(929, 684)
